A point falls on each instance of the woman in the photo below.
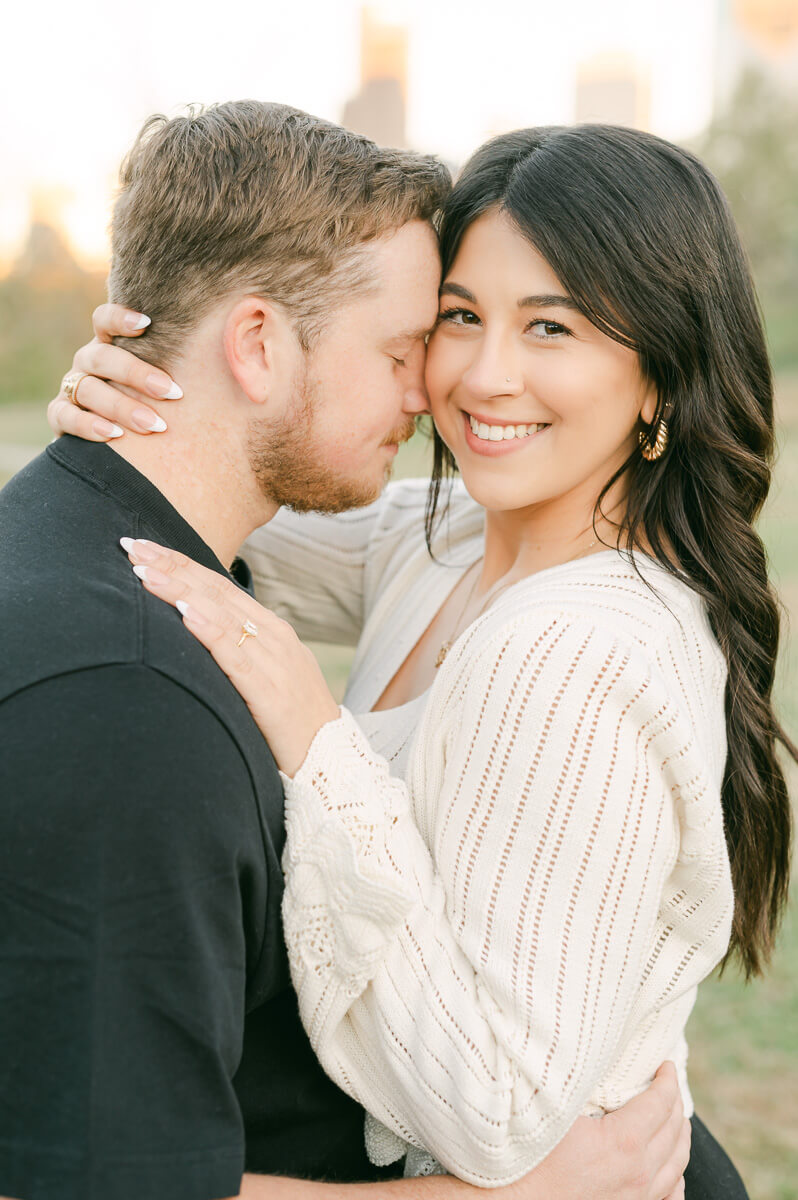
(559, 806)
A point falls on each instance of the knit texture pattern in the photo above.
(504, 926)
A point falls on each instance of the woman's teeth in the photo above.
(501, 433)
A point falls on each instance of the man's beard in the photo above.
(288, 462)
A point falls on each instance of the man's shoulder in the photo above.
(65, 603)
(69, 600)
(70, 604)
(120, 719)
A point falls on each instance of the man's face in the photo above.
(358, 391)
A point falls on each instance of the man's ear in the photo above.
(259, 346)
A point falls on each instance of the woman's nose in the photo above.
(493, 373)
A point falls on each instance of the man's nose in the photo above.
(416, 400)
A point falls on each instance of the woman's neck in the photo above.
(521, 542)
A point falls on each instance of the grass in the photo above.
(743, 1038)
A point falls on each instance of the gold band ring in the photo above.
(248, 630)
(70, 384)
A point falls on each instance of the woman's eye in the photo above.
(547, 331)
(458, 316)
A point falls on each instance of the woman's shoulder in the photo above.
(594, 637)
(607, 602)
(630, 595)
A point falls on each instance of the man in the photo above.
(149, 1039)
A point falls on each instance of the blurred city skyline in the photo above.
(429, 75)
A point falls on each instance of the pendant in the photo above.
(444, 650)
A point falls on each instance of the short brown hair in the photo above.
(260, 198)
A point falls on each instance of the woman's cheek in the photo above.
(441, 374)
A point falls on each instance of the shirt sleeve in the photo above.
(467, 949)
(126, 808)
(321, 572)
(310, 570)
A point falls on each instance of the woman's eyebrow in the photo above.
(541, 301)
(548, 302)
(454, 289)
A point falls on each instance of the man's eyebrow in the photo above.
(411, 335)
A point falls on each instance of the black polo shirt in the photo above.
(149, 1038)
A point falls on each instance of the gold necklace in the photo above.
(491, 595)
(447, 645)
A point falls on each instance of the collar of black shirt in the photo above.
(109, 473)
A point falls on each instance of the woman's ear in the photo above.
(258, 341)
(650, 404)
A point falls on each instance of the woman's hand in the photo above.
(276, 675)
(103, 411)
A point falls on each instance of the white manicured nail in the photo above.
(163, 388)
(139, 322)
(148, 421)
(127, 544)
(151, 575)
(108, 429)
(189, 614)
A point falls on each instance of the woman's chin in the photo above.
(501, 495)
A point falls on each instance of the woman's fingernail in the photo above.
(107, 429)
(164, 388)
(151, 575)
(136, 321)
(189, 614)
(148, 421)
(139, 548)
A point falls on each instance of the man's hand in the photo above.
(639, 1152)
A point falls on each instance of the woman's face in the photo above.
(535, 403)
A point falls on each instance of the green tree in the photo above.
(45, 314)
(752, 146)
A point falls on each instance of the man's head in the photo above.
(307, 253)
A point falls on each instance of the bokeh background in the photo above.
(720, 76)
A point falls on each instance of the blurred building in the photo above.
(46, 259)
(378, 109)
(760, 35)
(612, 89)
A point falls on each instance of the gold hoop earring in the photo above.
(652, 449)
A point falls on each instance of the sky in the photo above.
(78, 79)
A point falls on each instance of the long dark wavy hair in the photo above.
(640, 235)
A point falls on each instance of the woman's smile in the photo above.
(492, 437)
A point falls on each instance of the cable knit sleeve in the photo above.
(474, 951)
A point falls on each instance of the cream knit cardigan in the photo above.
(511, 932)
